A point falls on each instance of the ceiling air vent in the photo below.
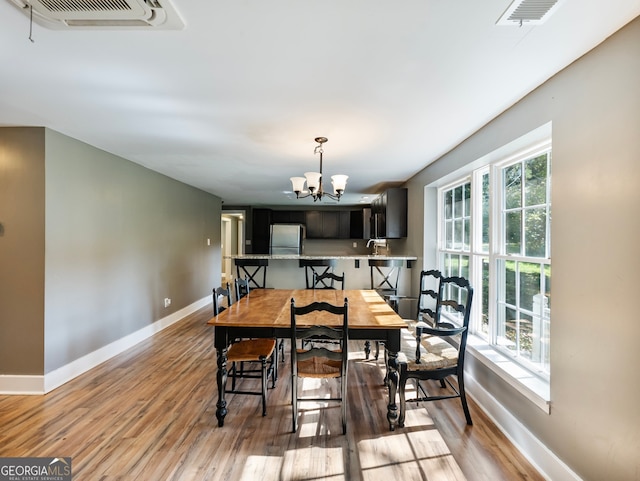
(529, 12)
(103, 13)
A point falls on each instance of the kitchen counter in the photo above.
(354, 257)
(305, 257)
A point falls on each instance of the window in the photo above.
(494, 229)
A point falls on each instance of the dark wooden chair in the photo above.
(319, 362)
(328, 280)
(384, 280)
(221, 299)
(254, 270)
(247, 350)
(242, 288)
(384, 277)
(440, 354)
(316, 266)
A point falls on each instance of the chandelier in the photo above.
(314, 180)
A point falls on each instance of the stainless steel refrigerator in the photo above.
(286, 239)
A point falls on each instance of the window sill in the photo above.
(532, 387)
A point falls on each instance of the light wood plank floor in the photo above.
(149, 414)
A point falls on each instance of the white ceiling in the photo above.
(232, 102)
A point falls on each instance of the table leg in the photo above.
(392, 380)
(221, 405)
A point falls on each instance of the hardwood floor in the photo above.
(149, 414)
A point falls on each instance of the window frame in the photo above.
(480, 256)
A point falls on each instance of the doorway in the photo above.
(232, 237)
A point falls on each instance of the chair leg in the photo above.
(273, 369)
(294, 402)
(343, 401)
(233, 376)
(264, 386)
(463, 398)
(402, 383)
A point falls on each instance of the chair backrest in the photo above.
(385, 274)
(313, 266)
(319, 329)
(328, 280)
(428, 296)
(254, 270)
(219, 296)
(242, 288)
(455, 296)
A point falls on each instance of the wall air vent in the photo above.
(528, 12)
(103, 13)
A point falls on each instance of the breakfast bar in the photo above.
(286, 271)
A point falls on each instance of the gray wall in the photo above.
(22, 213)
(119, 239)
(594, 104)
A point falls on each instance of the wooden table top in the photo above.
(271, 308)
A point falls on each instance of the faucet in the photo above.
(376, 244)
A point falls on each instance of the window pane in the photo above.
(448, 204)
(457, 202)
(510, 282)
(453, 266)
(467, 199)
(457, 234)
(448, 239)
(466, 245)
(535, 190)
(464, 267)
(512, 232)
(447, 265)
(529, 284)
(547, 284)
(485, 213)
(508, 335)
(525, 331)
(535, 232)
(484, 298)
(512, 181)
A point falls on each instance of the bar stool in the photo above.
(254, 270)
(316, 266)
(384, 280)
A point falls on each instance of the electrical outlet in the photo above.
(167, 302)
(355, 244)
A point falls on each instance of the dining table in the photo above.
(266, 313)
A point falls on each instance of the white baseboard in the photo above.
(11, 384)
(542, 458)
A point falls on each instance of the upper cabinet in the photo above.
(320, 224)
(389, 214)
(288, 217)
(261, 226)
(328, 224)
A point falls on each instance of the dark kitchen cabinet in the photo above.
(288, 217)
(389, 214)
(358, 223)
(314, 224)
(328, 224)
(261, 225)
